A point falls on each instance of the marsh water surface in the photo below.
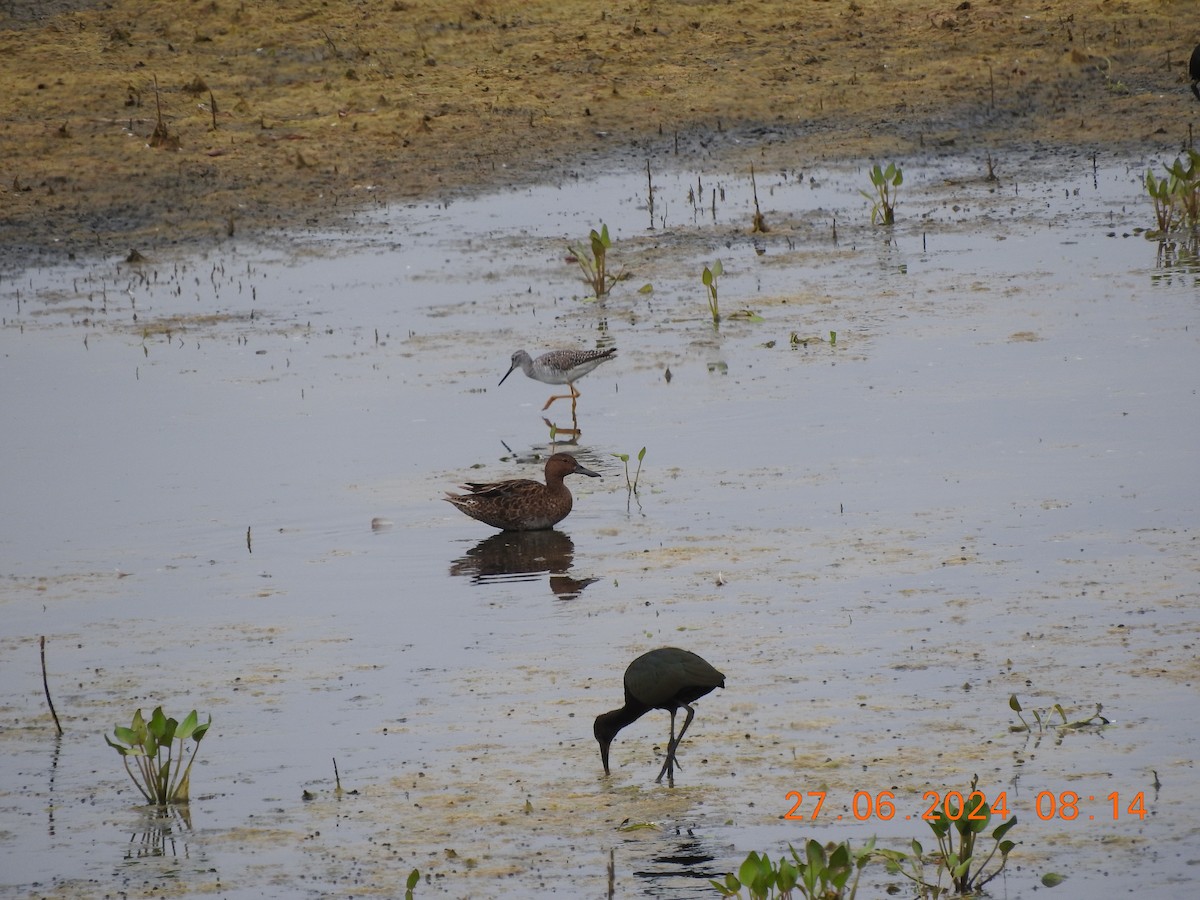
(940, 465)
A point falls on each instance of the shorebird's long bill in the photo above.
(509, 372)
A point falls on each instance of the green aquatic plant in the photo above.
(822, 873)
(798, 340)
(411, 884)
(957, 823)
(1186, 179)
(1162, 191)
(709, 278)
(746, 315)
(624, 457)
(886, 184)
(1176, 195)
(593, 261)
(1042, 717)
(158, 770)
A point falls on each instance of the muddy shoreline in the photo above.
(283, 118)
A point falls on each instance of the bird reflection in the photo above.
(678, 869)
(524, 556)
(564, 435)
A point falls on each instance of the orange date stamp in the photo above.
(975, 806)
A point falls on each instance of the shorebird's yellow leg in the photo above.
(573, 395)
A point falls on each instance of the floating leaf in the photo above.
(747, 315)
(637, 826)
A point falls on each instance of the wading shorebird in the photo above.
(559, 367)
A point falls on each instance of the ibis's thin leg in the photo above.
(666, 769)
(671, 764)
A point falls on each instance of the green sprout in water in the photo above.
(799, 340)
(709, 277)
(593, 261)
(883, 202)
(632, 486)
(158, 770)
(1044, 722)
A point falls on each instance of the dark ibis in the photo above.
(1194, 71)
(667, 678)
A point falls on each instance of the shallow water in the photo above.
(985, 485)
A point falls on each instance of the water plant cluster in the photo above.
(822, 872)
(158, 769)
(957, 827)
(1176, 195)
(957, 866)
(593, 261)
(885, 184)
(1043, 719)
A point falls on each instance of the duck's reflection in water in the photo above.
(524, 556)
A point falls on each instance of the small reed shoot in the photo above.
(158, 770)
(886, 184)
(709, 278)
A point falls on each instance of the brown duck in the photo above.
(522, 504)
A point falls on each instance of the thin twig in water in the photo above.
(650, 194)
(760, 224)
(46, 686)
